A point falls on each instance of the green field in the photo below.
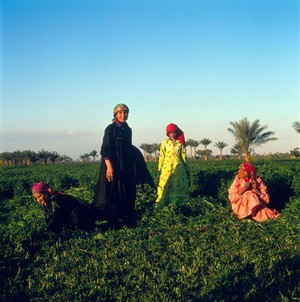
(196, 252)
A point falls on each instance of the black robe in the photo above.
(116, 199)
(66, 212)
(141, 172)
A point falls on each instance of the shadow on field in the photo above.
(244, 284)
(280, 192)
(209, 183)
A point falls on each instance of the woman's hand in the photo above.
(109, 170)
(109, 174)
(254, 187)
(249, 186)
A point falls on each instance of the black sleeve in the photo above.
(107, 143)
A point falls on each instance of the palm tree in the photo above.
(295, 153)
(64, 159)
(43, 155)
(206, 153)
(30, 157)
(94, 154)
(189, 143)
(85, 157)
(236, 150)
(248, 136)
(144, 147)
(199, 153)
(17, 157)
(148, 150)
(221, 146)
(192, 144)
(53, 156)
(206, 142)
(296, 126)
(155, 147)
(6, 157)
(195, 145)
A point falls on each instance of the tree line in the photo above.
(247, 137)
(151, 151)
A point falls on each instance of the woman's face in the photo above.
(122, 116)
(172, 135)
(41, 198)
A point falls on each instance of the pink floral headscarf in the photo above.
(40, 187)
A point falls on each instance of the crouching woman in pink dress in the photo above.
(248, 195)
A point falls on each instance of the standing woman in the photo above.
(173, 185)
(115, 191)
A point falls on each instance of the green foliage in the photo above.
(196, 252)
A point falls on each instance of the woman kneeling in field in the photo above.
(248, 195)
(62, 211)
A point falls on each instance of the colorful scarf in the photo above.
(120, 107)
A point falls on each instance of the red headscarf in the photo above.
(250, 170)
(179, 132)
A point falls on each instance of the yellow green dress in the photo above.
(173, 185)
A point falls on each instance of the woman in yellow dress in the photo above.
(173, 185)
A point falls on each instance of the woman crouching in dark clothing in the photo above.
(62, 211)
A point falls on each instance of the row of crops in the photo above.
(197, 252)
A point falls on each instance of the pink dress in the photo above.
(249, 203)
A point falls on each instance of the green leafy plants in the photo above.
(199, 251)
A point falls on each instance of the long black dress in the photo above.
(116, 199)
(66, 212)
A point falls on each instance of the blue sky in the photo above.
(198, 63)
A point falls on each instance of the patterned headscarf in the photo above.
(40, 187)
(120, 107)
(249, 169)
(179, 132)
